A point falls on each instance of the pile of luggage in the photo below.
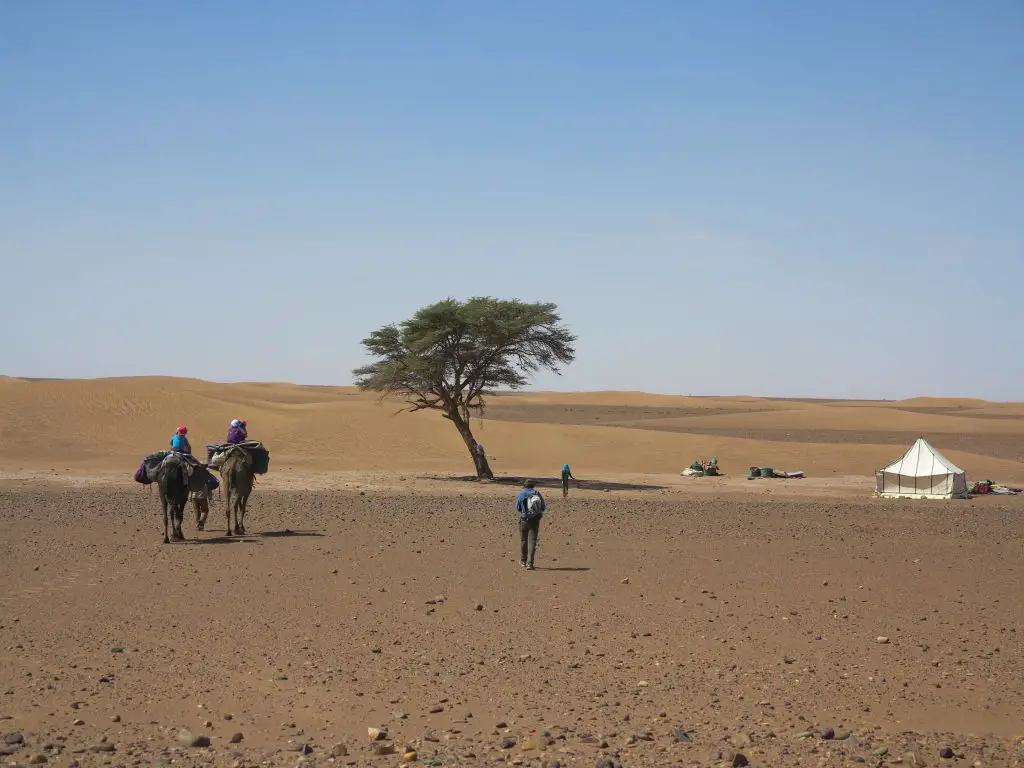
(217, 453)
(199, 477)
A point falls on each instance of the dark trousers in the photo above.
(528, 533)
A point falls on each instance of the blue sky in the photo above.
(787, 198)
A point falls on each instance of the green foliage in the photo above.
(451, 355)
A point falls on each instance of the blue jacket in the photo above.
(180, 443)
(521, 498)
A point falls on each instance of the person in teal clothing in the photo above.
(566, 477)
(179, 443)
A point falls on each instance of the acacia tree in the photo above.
(453, 354)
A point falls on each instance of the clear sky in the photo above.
(773, 198)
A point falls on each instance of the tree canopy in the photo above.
(451, 355)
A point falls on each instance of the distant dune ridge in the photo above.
(106, 425)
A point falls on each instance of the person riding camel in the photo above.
(179, 443)
(238, 432)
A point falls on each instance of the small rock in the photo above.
(739, 760)
(436, 710)
(117, 649)
(478, 607)
(187, 739)
(228, 716)
(37, 759)
(105, 746)
(508, 743)
(605, 763)
(498, 726)
(115, 719)
(914, 760)
(384, 749)
(14, 738)
(339, 750)
(740, 740)
(529, 745)
(642, 684)
(828, 734)
(882, 640)
(946, 753)
(683, 736)
(881, 752)
(207, 724)
(236, 738)
(377, 734)
(410, 756)
(78, 722)
(305, 749)
(625, 581)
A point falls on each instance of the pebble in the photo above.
(828, 734)
(882, 640)
(78, 722)
(187, 739)
(740, 760)
(436, 710)
(946, 753)
(881, 752)
(478, 607)
(339, 750)
(37, 759)
(410, 756)
(508, 743)
(529, 745)
(384, 749)
(228, 716)
(236, 738)
(682, 735)
(377, 734)
(740, 740)
(115, 719)
(14, 738)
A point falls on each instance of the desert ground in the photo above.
(671, 620)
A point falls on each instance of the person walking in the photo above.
(566, 477)
(530, 506)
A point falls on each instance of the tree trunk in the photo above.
(483, 469)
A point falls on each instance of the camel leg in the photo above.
(245, 507)
(181, 519)
(239, 514)
(178, 515)
(163, 503)
(227, 495)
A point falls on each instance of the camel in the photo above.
(238, 477)
(172, 480)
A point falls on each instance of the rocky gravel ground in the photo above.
(351, 629)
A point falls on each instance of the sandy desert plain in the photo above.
(671, 620)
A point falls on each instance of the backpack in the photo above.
(534, 507)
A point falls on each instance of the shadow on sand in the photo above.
(251, 538)
(554, 482)
(562, 570)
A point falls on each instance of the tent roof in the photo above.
(922, 460)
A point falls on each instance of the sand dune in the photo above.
(107, 425)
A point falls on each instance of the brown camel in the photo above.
(239, 478)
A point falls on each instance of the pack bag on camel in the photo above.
(218, 452)
(198, 477)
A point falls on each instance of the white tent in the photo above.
(922, 473)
